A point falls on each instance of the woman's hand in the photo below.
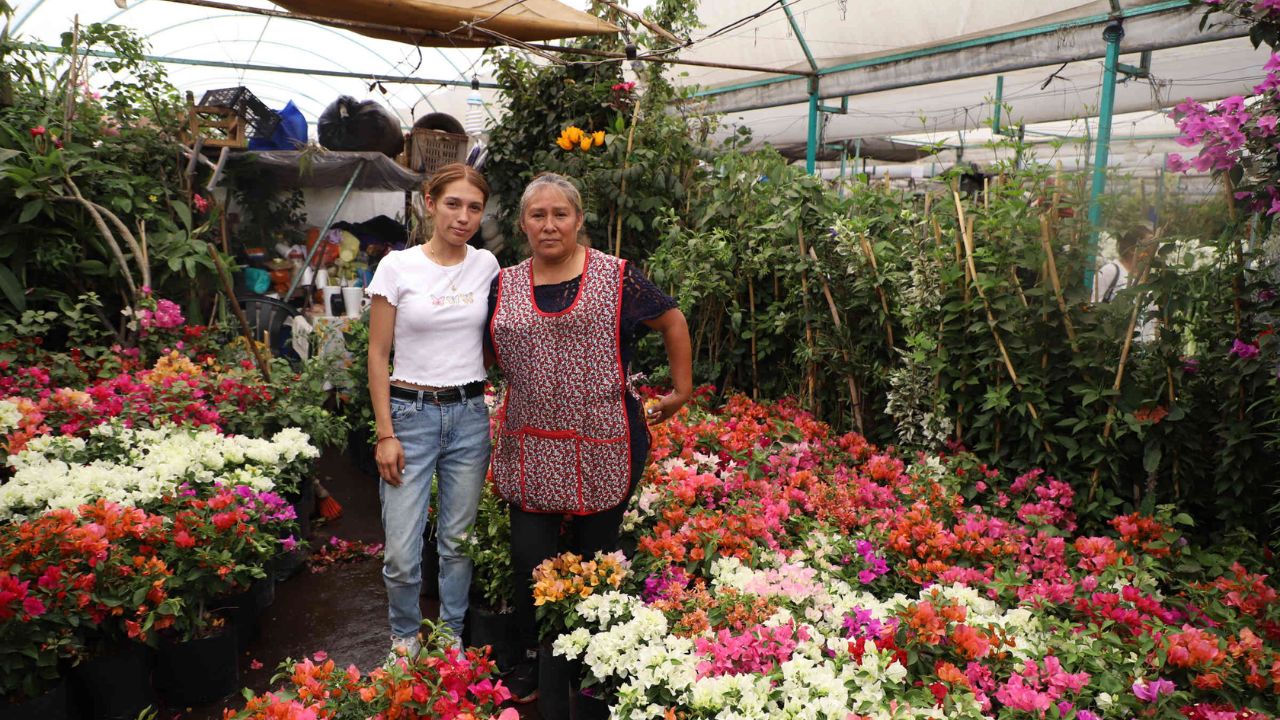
(389, 456)
(658, 410)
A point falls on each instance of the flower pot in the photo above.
(194, 672)
(241, 611)
(264, 591)
(286, 564)
(52, 705)
(590, 707)
(304, 505)
(430, 565)
(554, 680)
(114, 684)
(495, 629)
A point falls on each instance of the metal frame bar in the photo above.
(1113, 34)
(986, 40)
(342, 199)
(38, 47)
(811, 143)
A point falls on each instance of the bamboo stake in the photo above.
(855, 394)
(73, 81)
(622, 186)
(811, 369)
(884, 300)
(1119, 381)
(755, 370)
(1017, 285)
(991, 320)
(245, 331)
(1057, 282)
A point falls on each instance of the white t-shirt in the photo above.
(1105, 291)
(440, 314)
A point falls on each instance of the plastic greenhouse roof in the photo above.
(206, 35)
(920, 73)
(916, 72)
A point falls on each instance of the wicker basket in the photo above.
(258, 116)
(426, 151)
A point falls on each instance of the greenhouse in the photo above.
(639, 359)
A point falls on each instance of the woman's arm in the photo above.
(387, 453)
(675, 336)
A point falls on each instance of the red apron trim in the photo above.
(582, 280)
(573, 453)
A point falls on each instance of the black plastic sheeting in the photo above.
(311, 169)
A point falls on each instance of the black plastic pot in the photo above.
(430, 565)
(194, 672)
(495, 629)
(264, 592)
(589, 707)
(241, 610)
(115, 684)
(52, 705)
(555, 677)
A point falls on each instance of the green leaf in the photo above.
(30, 210)
(12, 289)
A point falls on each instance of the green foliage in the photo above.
(489, 547)
(923, 340)
(651, 154)
(94, 197)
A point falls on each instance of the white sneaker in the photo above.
(405, 647)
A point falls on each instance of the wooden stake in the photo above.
(884, 300)
(245, 330)
(1057, 282)
(755, 370)
(1119, 381)
(991, 320)
(854, 393)
(622, 186)
(811, 369)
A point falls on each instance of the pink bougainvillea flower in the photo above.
(1151, 690)
(1243, 350)
(199, 202)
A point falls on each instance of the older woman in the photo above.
(572, 438)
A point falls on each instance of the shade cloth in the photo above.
(310, 169)
(526, 20)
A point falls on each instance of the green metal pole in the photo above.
(811, 148)
(844, 156)
(1112, 34)
(324, 231)
(995, 111)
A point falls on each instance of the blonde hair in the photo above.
(451, 173)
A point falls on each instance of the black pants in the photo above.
(536, 537)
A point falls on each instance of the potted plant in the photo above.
(216, 546)
(489, 547)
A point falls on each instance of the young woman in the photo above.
(429, 304)
(572, 440)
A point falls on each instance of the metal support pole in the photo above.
(1113, 34)
(844, 156)
(811, 148)
(323, 231)
(995, 111)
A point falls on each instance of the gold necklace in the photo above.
(448, 277)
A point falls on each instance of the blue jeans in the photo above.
(453, 441)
